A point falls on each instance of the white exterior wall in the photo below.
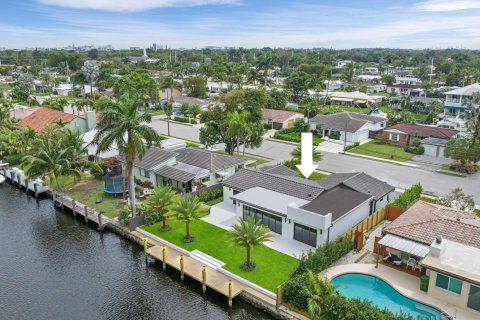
(227, 193)
(348, 221)
(448, 296)
(377, 126)
(354, 137)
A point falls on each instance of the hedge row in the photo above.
(409, 196)
(210, 195)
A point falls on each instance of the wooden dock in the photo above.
(76, 207)
(207, 275)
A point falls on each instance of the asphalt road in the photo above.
(398, 176)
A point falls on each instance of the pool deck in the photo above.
(404, 283)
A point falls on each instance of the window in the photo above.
(474, 298)
(205, 179)
(394, 137)
(145, 173)
(449, 283)
(273, 222)
(305, 234)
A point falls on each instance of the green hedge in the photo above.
(288, 137)
(351, 146)
(210, 195)
(182, 119)
(13, 159)
(409, 196)
(322, 257)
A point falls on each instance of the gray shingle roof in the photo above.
(153, 158)
(358, 181)
(338, 201)
(279, 170)
(212, 161)
(296, 187)
(175, 174)
(352, 121)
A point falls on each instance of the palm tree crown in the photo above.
(160, 201)
(187, 209)
(297, 154)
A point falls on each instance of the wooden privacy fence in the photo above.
(388, 212)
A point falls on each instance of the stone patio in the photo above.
(222, 215)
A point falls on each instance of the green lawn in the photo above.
(273, 268)
(296, 137)
(384, 151)
(155, 112)
(89, 190)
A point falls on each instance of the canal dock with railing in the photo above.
(18, 178)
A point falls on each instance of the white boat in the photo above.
(2, 179)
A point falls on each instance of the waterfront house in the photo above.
(356, 126)
(403, 134)
(455, 105)
(355, 98)
(444, 244)
(41, 117)
(188, 169)
(280, 119)
(297, 209)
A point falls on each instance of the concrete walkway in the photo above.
(404, 283)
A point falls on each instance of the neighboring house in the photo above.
(408, 80)
(64, 89)
(455, 99)
(396, 103)
(356, 126)
(333, 84)
(179, 100)
(188, 169)
(355, 98)
(434, 147)
(310, 212)
(445, 242)
(343, 63)
(42, 117)
(280, 119)
(403, 134)
(411, 90)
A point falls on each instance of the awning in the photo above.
(404, 245)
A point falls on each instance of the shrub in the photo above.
(267, 126)
(469, 168)
(322, 257)
(409, 196)
(334, 136)
(193, 121)
(96, 169)
(351, 146)
(13, 159)
(124, 216)
(152, 218)
(415, 149)
(210, 195)
(287, 137)
(181, 119)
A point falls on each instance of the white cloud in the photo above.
(132, 5)
(447, 5)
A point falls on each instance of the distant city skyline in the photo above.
(341, 24)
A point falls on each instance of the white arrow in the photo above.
(307, 167)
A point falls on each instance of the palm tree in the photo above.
(248, 233)
(160, 201)
(297, 154)
(319, 291)
(50, 159)
(187, 208)
(237, 128)
(123, 125)
(472, 116)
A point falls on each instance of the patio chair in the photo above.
(417, 267)
(411, 263)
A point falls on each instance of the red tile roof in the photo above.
(423, 131)
(44, 116)
(423, 222)
(278, 115)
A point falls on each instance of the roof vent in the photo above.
(438, 240)
(309, 195)
(458, 219)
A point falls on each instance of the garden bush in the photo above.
(351, 146)
(267, 126)
(210, 195)
(152, 218)
(96, 169)
(322, 257)
(414, 149)
(181, 119)
(409, 196)
(468, 168)
(13, 159)
(124, 216)
(193, 121)
(334, 136)
(288, 137)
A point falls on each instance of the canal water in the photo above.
(52, 266)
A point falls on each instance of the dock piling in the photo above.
(145, 247)
(74, 208)
(230, 302)
(164, 262)
(100, 226)
(204, 279)
(86, 215)
(182, 273)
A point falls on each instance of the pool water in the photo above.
(382, 295)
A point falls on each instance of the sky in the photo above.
(338, 24)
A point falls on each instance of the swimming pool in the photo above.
(381, 294)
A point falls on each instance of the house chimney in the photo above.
(437, 248)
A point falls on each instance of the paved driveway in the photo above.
(398, 176)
